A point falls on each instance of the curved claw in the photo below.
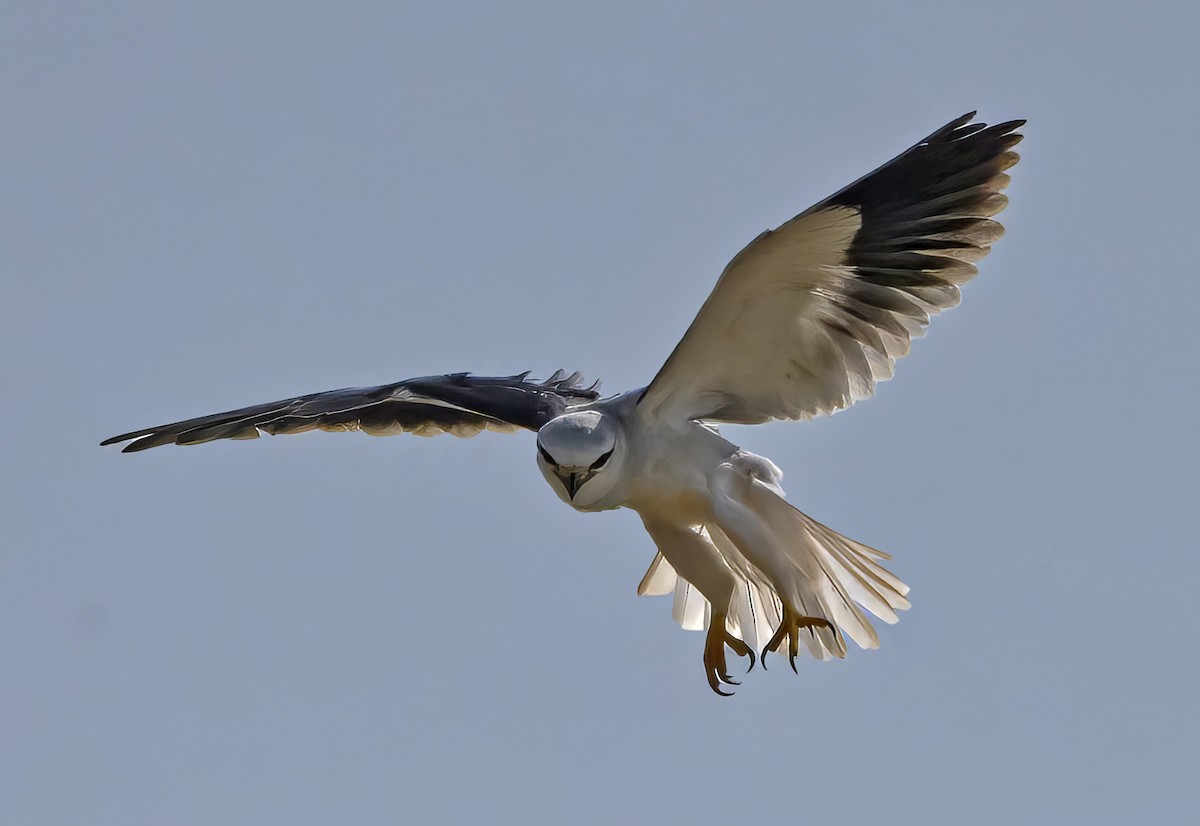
(789, 629)
(715, 680)
(715, 666)
(741, 649)
(717, 688)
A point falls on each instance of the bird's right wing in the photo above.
(459, 403)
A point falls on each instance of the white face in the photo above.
(577, 453)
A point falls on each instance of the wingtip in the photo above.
(1010, 125)
(138, 440)
(139, 445)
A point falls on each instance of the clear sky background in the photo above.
(209, 205)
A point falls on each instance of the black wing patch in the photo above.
(926, 217)
(458, 403)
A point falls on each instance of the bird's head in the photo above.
(577, 453)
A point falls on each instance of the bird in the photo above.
(802, 322)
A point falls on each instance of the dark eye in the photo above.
(546, 455)
(599, 463)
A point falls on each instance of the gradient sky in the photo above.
(209, 205)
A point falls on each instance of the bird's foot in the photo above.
(715, 667)
(790, 628)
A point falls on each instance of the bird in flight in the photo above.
(803, 321)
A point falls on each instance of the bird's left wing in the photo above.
(459, 403)
(809, 316)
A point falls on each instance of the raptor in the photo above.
(802, 322)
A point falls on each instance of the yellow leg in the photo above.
(789, 629)
(715, 667)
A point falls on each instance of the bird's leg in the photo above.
(789, 629)
(714, 654)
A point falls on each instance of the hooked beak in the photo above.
(571, 482)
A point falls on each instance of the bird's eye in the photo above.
(546, 455)
(599, 463)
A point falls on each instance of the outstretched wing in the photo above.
(809, 316)
(459, 403)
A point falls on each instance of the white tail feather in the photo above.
(754, 614)
(690, 608)
(815, 570)
(660, 578)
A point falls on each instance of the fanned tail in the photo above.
(815, 572)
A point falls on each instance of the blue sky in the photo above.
(211, 205)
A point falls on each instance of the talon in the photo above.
(713, 683)
(715, 667)
(789, 629)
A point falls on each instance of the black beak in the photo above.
(572, 483)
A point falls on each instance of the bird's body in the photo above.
(727, 540)
(803, 321)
